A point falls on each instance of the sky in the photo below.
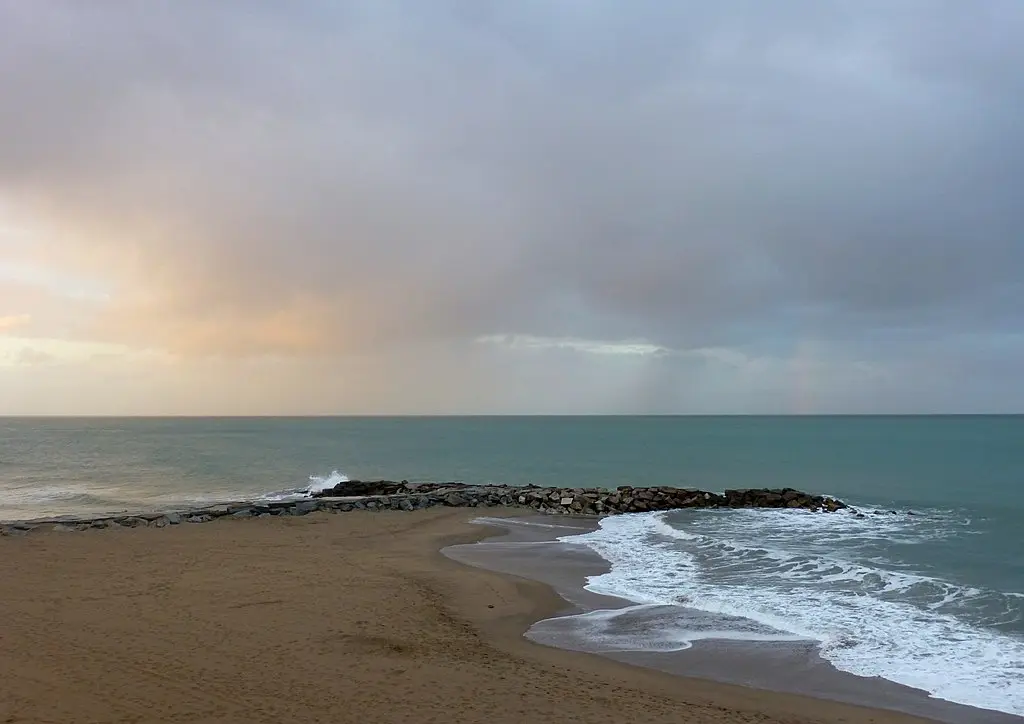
(478, 206)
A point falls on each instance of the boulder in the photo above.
(454, 500)
(305, 506)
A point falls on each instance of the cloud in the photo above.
(584, 346)
(23, 350)
(336, 182)
(30, 357)
(11, 321)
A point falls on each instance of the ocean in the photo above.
(926, 590)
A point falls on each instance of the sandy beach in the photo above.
(324, 618)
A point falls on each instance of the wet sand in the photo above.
(324, 618)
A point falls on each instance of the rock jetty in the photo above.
(387, 495)
(584, 501)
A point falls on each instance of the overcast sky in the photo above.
(726, 206)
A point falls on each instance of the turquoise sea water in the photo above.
(934, 599)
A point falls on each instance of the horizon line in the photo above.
(433, 415)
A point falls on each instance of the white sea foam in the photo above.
(648, 627)
(320, 483)
(317, 484)
(511, 522)
(869, 620)
(746, 541)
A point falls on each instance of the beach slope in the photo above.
(324, 618)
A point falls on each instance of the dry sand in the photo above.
(343, 618)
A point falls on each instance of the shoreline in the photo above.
(531, 551)
(343, 614)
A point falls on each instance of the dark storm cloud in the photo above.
(310, 177)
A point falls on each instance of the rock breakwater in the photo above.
(388, 495)
(590, 501)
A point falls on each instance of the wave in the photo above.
(316, 484)
(37, 499)
(320, 483)
(786, 574)
(60, 495)
(33, 501)
(514, 522)
(883, 579)
(648, 627)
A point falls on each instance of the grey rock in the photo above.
(306, 506)
(454, 500)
